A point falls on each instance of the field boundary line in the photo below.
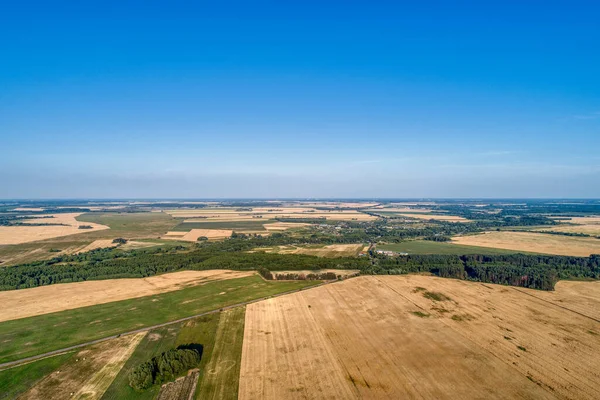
(16, 363)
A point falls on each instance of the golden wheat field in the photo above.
(25, 234)
(65, 296)
(421, 337)
(194, 234)
(533, 242)
(332, 250)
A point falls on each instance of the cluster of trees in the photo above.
(164, 367)
(437, 238)
(316, 276)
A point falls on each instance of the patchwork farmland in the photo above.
(301, 299)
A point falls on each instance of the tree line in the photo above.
(540, 272)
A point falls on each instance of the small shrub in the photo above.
(421, 314)
(436, 296)
(465, 317)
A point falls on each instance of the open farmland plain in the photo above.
(89, 372)
(39, 334)
(533, 242)
(194, 234)
(432, 247)
(69, 225)
(67, 296)
(332, 250)
(143, 225)
(236, 214)
(585, 225)
(418, 337)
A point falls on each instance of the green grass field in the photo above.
(220, 334)
(36, 335)
(128, 225)
(219, 378)
(153, 344)
(17, 380)
(238, 226)
(131, 225)
(430, 247)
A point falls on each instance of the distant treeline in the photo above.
(532, 271)
(110, 263)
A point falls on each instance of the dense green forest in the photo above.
(533, 271)
(164, 367)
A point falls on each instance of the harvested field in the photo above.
(587, 225)
(231, 215)
(579, 296)
(25, 234)
(194, 234)
(88, 374)
(338, 272)
(66, 296)
(334, 204)
(134, 244)
(418, 337)
(283, 226)
(431, 247)
(37, 209)
(533, 242)
(584, 220)
(451, 218)
(26, 337)
(590, 229)
(182, 389)
(401, 210)
(97, 244)
(332, 250)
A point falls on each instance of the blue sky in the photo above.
(300, 99)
